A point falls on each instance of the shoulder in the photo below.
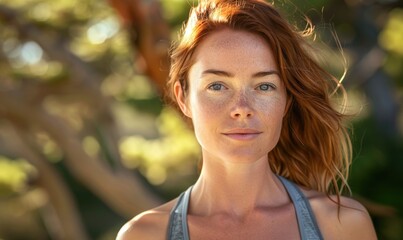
(151, 224)
(355, 222)
(349, 221)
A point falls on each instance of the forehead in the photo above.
(223, 38)
(234, 47)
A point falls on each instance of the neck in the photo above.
(235, 189)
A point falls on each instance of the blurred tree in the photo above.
(81, 84)
(149, 34)
(35, 102)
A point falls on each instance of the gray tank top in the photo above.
(308, 227)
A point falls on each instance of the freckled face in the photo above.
(235, 98)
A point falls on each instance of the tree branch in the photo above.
(120, 190)
(69, 220)
(150, 35)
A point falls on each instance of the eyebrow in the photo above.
(227, 74)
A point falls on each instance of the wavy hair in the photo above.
(314, 149)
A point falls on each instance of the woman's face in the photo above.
(235, 97)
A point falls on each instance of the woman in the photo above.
(274, 149)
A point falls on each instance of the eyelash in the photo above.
(211, 86)
(222, 87)
(269, 86)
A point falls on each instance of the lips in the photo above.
(242, 133)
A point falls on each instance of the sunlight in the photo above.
(102, 30)
(31, 53)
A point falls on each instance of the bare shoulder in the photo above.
(349, 221)
(151, 224)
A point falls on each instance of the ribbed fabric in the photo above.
(177, 226)
(308, 227)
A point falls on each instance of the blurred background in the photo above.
(86, 142)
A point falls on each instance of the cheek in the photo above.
(204, 114)
(273, 107)
(204, 107)
(273, 113)
(207, 114)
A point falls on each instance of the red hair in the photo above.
(314, 149)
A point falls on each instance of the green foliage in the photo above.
(376, 174)
(14, 175)
(392, 35)
(176, 11)
(166, 158)
(391, 39)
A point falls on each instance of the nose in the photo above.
(242, 107)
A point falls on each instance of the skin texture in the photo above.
(237, 101)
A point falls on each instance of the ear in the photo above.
(181, 99)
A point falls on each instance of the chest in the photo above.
(271, 224)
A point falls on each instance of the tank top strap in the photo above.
(308, 227)
(177, 226)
